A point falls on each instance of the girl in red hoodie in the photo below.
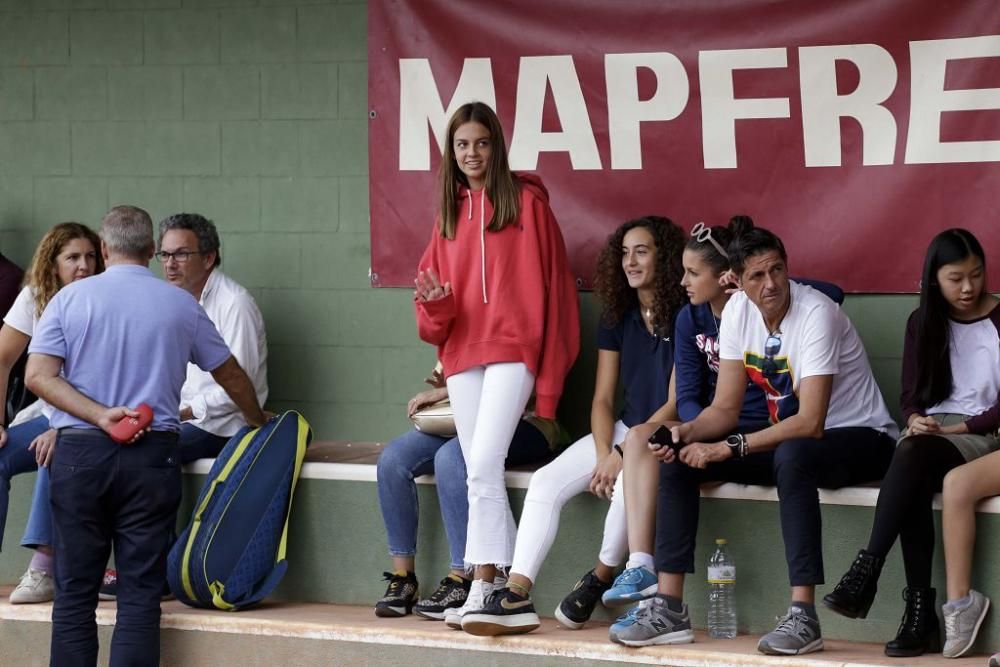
(495, 295)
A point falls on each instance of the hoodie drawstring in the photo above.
(482, 237)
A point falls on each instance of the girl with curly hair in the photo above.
(638, 284)
(495, 295)
(67, 253)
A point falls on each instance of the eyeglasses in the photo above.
(771, 347)
(181, 256)
(703, 233)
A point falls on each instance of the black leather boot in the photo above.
(919, 632)
(853, 596)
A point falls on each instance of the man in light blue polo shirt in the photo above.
(119, 339)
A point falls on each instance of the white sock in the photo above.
(641, 559)
(960, 603)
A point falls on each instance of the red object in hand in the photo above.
(126, 429)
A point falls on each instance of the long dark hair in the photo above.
(501, 184)
(611, 285)
(719, 263)
(934, 379)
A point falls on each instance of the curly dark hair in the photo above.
(612, 287)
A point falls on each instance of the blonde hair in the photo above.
(43, 274)
(501, 184)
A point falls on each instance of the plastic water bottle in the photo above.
(721, 593)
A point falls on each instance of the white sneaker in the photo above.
(477, 597)
(35, 586)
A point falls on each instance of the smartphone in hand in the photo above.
(662, 436)
(126, 429)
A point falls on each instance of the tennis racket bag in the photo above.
(232, 554)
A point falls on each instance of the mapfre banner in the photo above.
(855, 129)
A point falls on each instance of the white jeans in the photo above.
(488, 402)
(550, 488)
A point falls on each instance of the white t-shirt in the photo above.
(817, 338)
(22, 317)
(975, 360)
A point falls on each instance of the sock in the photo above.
(960, 603)
(41, 561)
(673, 604)
(405, 573)
(641, 559)
(809, 609)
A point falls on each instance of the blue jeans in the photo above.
(194, 444)
(413, 454)
(197, 444)
(15, 458)
(106, 495)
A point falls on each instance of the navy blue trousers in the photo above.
(798, 467)
(106, 496)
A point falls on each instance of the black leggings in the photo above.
(904, 507)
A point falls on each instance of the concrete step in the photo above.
(309, 634)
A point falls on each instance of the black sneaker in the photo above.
(450, 594)
(578, 605)
(503, 613)
(400, 595)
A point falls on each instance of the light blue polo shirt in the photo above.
(125, 338)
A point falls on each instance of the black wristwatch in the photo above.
(737, 444)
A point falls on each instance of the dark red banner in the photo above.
(855, 129)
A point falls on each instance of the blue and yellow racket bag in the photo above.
(232, 554)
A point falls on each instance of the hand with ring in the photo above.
(429, 287)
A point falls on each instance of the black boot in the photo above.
(919, 632)
(853, 596)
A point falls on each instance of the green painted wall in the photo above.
(254, 113)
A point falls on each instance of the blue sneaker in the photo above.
(625, 620)
(653, 623)
(632, 585)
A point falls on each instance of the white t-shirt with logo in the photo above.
(817, 338)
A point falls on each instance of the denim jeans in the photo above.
(15, 458)
(196, 443)
(413, 454)
(104, 495)
(193, 444)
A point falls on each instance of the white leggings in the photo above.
(550, 488)
(488, 402)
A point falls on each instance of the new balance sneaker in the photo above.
(795, 634)
(962, 625)
(577, 607)
(35, 586)
(653, 623)
(478, 591)
(400, 595)
(625, 620)
(450, 594)
(503, 613)
(632, 585)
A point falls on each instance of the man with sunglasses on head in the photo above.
(190, 256)
(829, 428)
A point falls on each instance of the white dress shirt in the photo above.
(235, 314)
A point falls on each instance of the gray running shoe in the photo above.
(962, 625)
(796, 634)
(654, 623)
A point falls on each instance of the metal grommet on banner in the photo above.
(372, 114)
(579, 283)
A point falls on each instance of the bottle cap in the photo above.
(720, 541)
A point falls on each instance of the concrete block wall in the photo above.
(254, 113)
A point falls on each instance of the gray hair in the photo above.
(203, 229)
(128, 231)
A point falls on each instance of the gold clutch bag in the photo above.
(436, 419)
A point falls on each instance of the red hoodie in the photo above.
(513, 297)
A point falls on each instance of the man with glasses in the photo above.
(829, 428)
(190, 256)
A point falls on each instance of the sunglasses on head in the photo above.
(701, 232)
